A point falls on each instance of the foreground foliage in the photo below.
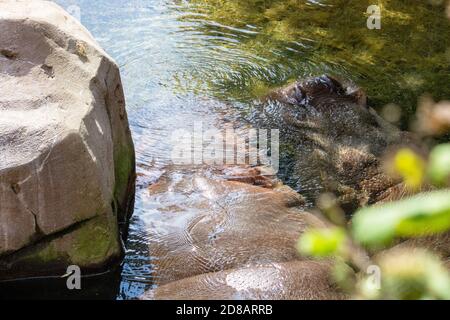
(406, 273)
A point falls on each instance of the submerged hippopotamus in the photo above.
(295, 280)
(203, 221)
(336, 138)
(230, 233)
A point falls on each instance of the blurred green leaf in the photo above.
(322, 243)
(424, 214)
(344, 276)
(411, 275)
(439, 164)
(411, 167)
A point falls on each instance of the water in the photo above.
(208, 60)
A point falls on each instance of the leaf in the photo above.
(424, 214)
(411, 167)
(413, 274)
(439, 164)
(322, 243)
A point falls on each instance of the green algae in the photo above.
(124, 163)
(91, 244)
(95, 242)
(47, 254)
(408, 57)
(124, 167)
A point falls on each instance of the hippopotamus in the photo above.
(295, 280)
(338, 140)
(231, 232)
(201, 221)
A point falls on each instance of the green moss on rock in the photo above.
(42, 254)
(91, 245)
(124, 169)
(95, 242)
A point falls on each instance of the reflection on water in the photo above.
(182, 61)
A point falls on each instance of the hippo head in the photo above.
(334, 140)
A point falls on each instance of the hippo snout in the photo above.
(328, 87)
(314, 91)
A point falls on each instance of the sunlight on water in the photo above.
(182, 61)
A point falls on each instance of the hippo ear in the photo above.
(331, 83)
(335, 83)
(358, 96)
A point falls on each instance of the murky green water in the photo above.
(182, 61)
(254, 45)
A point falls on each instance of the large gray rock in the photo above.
(66, 153)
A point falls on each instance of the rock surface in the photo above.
(66, 153)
